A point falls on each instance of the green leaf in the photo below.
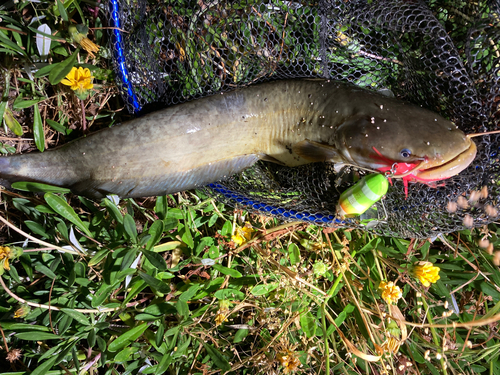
(212, 220)
(100, 255)
(130, 228)
(60, 206)
(44, 367)
(161, 207)
(227, 271)
(155, 283)
(159, 334)
(181, 349)
(369, 246)
(155, 231)
(62, 69)
(12, 326)
(3, 105)
(56, 126)
(190, 293)
(187, 236)
(146, 317)
(155, 259)
(182, 308)
(240, 335)
(35, 336)
(78, 316)
(166, 360)
(38, 129)
(477, 368)
(136, 287)
(417, 356)
(308, 324)
(113, 210)
(128, 337)
(42, 72)
(128, 259)
(165, 275)
(47, 210)
(229, 294)
(125, 354)
(162, 308)
(7, 43)
(45, 270)
(401, 247)
(92, 337)
(102, 294)
(66, 347)
(174, 213)
(37, 187)
(21, 103)
(433, 369)
(260, 290)
(343, 315)
(11, 122)
(217, 357)
(294, 254)
(36, 228)
(62, 11)
(227, 228)
(488, 290)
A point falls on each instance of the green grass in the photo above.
(158, 285)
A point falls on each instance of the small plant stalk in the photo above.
(84, 121)
(434, 335)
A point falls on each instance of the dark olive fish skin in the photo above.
(290, 122)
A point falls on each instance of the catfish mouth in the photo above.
(448, 169)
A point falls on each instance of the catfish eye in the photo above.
(405, 153)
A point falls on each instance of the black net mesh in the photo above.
(443, 55)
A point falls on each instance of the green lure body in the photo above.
(361, 196)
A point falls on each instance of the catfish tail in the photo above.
(50, 167)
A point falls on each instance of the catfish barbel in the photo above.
(291, 122)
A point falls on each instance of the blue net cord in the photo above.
(120, 55)
(317, 218)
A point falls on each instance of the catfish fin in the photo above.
(88, 189)
(386, 92)
(315, 152)
(272, 159)
(339, 166)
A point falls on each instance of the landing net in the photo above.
(442, 55)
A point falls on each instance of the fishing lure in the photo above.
(361, 196)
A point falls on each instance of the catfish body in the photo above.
(291, 122)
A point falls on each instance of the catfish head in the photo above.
(410, 142)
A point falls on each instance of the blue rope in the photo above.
(120, 56)
(276, 211)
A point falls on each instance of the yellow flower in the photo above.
(243, 235)
(22, 311)
(6, 254)
(81, 39)
(79, 79)
(426, 272)
(391, 345)
(221, 316)
(288, 360)
(222, 313)
(89, 46)
(390, 292)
